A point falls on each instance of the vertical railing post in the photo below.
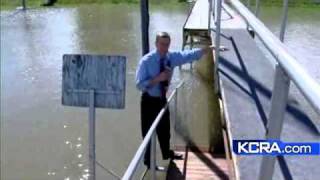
(175, 117)
(249, 4)
(212, 7)
(24, 5)
(215, 9)
(209, 16)
(153, 156)
(92, 146)
(191, 46)
(217, 44)
(144, 11)
(249, 29)
(257, 10)
(278, 106)
(284, 19)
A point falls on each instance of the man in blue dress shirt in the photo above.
(153, 74)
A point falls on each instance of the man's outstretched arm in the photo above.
(187, 56)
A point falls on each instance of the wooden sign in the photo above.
(104, 74)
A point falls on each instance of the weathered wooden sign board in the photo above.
(106, 75)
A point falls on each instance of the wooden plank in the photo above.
(198, 165)
(105, 74)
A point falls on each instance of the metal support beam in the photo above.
(175, 119)
(215, 9)
(217, 43)
(24, 5)
(257, 10)
(249, 4)
(153, 157)
(284, 20)
(144, 11)
(275, 123)
(191, 46)
(92, 134)
(209, 16)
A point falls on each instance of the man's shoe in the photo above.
(158, 168)
(175, 156)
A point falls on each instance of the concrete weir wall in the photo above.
(199, 121)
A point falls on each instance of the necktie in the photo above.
(163, 84)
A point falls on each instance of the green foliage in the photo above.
(95, 1)
(10, 4)
(15, 3)
(307, 3)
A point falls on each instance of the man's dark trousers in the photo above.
(150, 108)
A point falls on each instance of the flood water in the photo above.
(302, 34)
(41, 139)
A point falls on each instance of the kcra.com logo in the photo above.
(275, 147)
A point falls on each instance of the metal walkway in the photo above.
(197, 22)
(246, 81)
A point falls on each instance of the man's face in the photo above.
(163, 45)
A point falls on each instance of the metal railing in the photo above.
(287, 70)
(150, 137)
(284, 19)
(217, 22)
(257, 9)
(24, 4)
(307, 85)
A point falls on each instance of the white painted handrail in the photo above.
(147, 139)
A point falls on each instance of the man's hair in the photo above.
(162, 35)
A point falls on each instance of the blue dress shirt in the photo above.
(149, 67)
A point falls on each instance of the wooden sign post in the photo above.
(93, 81)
